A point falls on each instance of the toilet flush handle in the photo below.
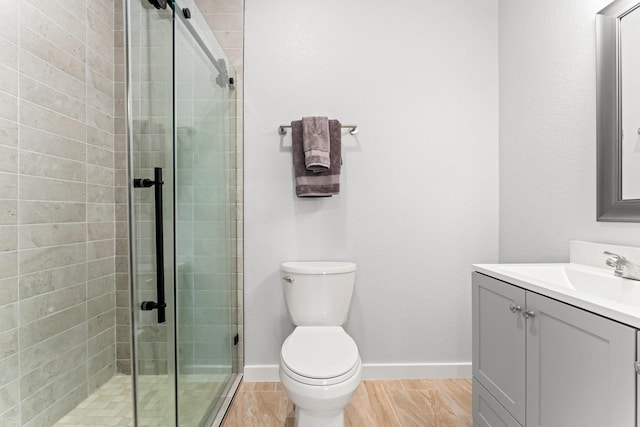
(288, 279)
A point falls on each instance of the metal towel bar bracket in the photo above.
(353, 129)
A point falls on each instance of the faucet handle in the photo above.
(615, 261)
(614, 255)
(623, 267)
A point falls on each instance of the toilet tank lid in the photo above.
(318, 267)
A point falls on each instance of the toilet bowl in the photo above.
(320, 369)
(320, 366)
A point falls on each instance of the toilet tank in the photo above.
(318, 293)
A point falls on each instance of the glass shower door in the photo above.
(151, 217)
(183, 207)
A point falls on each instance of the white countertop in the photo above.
(625, 310)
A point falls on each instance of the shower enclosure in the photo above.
(182, 216)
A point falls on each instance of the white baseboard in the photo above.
(416, 371)
(376, 371)
(260, 373)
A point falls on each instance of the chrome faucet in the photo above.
(623, 267)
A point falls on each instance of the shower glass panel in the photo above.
(205, 245)
(181, 122)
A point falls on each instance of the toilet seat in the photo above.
(319, 355)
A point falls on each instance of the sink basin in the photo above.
(583, 280)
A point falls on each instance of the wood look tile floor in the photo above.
(402, 403)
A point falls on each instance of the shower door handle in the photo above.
(157, 183)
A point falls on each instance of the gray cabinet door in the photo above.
(580, 367)
(499, 342)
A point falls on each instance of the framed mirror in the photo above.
(618, 111)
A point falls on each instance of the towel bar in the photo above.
(353, 129)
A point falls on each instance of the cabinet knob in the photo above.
(528, 313)
(515, 308)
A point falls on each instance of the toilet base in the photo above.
(305, 418)
(320, 406)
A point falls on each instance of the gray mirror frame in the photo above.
(610, 205)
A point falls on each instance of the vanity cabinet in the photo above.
(538, 362)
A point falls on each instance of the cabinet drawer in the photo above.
(487, 412)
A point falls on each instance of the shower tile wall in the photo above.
(57, 236)
(226, 20)
(150, 107)
(205, 208)
(123, 308)
(151, 70)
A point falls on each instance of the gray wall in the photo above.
(548, 131)
(57, 271)
(419, 200)
(362, 72)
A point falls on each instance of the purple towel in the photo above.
(317, 184)
(315, 141)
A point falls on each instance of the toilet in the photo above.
(320, 365)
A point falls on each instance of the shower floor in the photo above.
(111, 404)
